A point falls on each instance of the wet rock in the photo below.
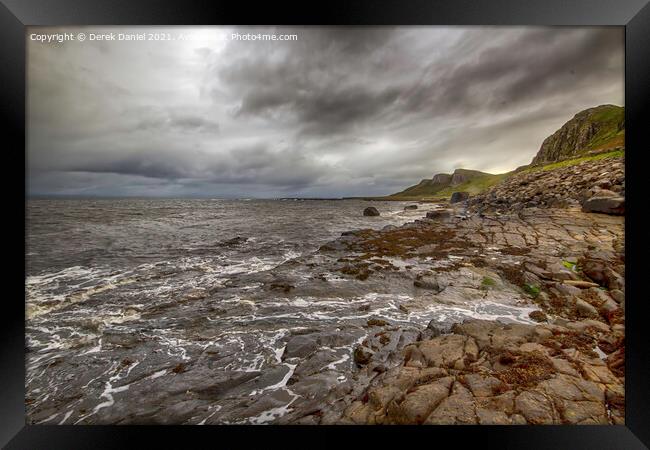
(362, 355)
(237, 240)
(315, 363)
(428, 283)
(376, 322)
(301, 346)
(457, 197)
(407, 207)
(370, 211)
(439, 214)
(538, 316)
(434, 328)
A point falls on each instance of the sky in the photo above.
(339, 111)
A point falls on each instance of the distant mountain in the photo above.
(598, 128)
(441, 182)
(594, 130)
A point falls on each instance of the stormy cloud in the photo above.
(336, 112)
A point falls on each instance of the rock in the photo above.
(449, 351)
(458, 408)
(606, 205)
(459, 197)
(434, 328)
(362, 355)
(614, 280)
(617, 295)
(375, 322)
(481, 385)
(600, 296)
(418, 404)
(491, 417)
(580, 284)
(439, 214)
(234, 241)
(407, 207)
(301, 346)
(585, 309)
(559, 272)
(538, 316)
(370, 211)
(428, 283)
(537, 271)
(535, 407)
(594, 269)
(565, 290)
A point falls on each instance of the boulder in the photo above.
(407, 207)
(370, 211)
(459, 197)
(605, 204)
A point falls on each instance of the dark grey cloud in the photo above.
(180, 122)
(340, 111)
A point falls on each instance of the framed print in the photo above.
(384, 218)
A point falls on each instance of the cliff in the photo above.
(599, 128)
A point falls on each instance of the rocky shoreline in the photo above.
(536, 244)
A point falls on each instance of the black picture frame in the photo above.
(634, 15)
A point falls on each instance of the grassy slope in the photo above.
(574, 161)
(423, 188)
(609, 136)
(429, 191)
(475, 186)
